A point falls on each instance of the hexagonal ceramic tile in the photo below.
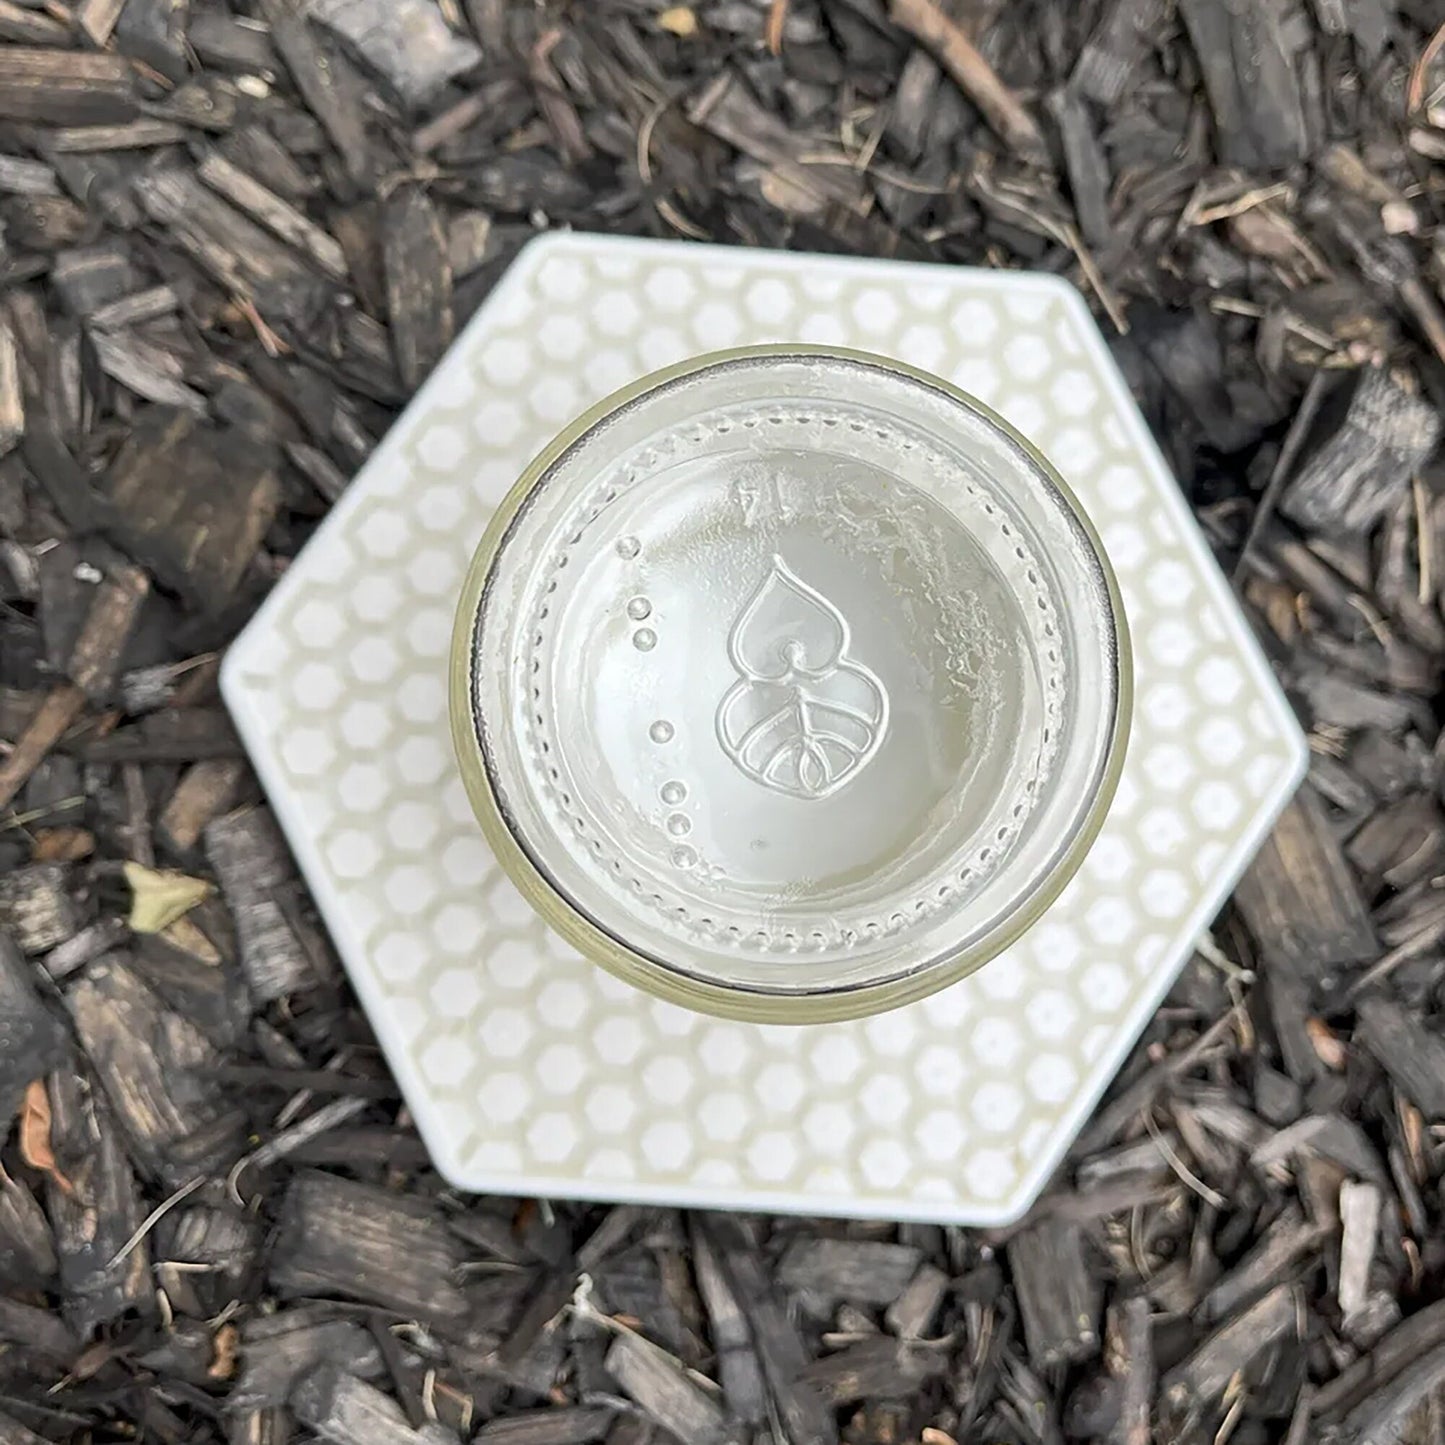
(531, 1072)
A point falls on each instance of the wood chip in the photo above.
(32, 1042)
(328, 89)
(406, 42)
(36, 909)
(930, 26)
(206, 790)
(277, 215)
(1301, 899)
(340, 1237)
(664, 1393)
(65, 87)
(1412, 1054)
(258, 877)
(348, 1411)
(152, 1063)
(1249, 76)
(1058, 1299)
(574, 1425)
(277, 1352)
(418, 283)
(1243, 1341)
(194, 502)
(866, 1270)
(1355, 476)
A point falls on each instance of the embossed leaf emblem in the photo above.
(804, 717)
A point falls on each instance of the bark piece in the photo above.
(418, 284)
(60, 708)
(344, 1238)
(1301, 899)
(780, 1347)
(32, 1042)
(27, 1247)
(12, 1432)
(175, 735)
(664, 1393)
(263, 892)
(1251, 80)
(1129, 1353)
(231, 248)
(406, 42)
(869, 1271)
(96, 1218)
(738, 1365)
(347, 1411)
(113, 615)
(1245, 1340)
(154, 32)
(1412, 1054)
(12, 396)
(569, 1425)
(880, 1367)
(1109, 62)
(65, 87)
(276, 1352)
(193, 502)
(1355, 476)
(1290, 1238)
(931, 26)
(1380, 1418)
(152, 1063)
(329, 89)
(226, 42)
(1058, 1296)
(36, 908)
(912, 1314)
(98, 19)
(278, 216)
(1360, 1224)
(204, 792)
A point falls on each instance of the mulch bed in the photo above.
(232, 243)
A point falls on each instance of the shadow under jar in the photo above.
(790, 684)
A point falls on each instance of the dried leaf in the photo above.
(161, 896)
(62, 845)
(226, 1349)
(184, 934)
(35, 1147)
(1332, 1051)
(773, 31)
(679, 20)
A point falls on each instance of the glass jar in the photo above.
(790, 684)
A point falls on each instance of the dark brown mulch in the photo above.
(233, 239)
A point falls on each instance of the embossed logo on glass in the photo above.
(804, 717)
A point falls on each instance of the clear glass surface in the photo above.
(794, 674)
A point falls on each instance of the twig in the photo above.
(1283, 466)
(773, 31)
(1187, 1175)
(328, 1116)
(1424, 543)
(154, 1218)
(1415, 92)
(62, 705)
(978, 80)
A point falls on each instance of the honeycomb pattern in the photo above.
(530, 1071)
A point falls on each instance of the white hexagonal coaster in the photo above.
(531, 1072)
